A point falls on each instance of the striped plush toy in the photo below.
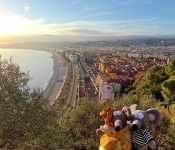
(141, 137)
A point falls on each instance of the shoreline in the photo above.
(53, 86)
(55, 83)
(46, 84)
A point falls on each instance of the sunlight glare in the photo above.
(10, 25)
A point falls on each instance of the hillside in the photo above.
(147, 92)
(28, 123)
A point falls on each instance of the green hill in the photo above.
(27, 122)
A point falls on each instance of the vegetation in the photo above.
(26, 121)
(168, 90)
(24, 115)
(170, 69)
(66, 88)
(155, 76)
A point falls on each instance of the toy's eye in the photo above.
(117, 113)
(139, 115)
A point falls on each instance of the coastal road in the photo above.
(72, 101)
(75, 86)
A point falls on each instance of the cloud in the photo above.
(27, 8)
(110, 24)
(89, 32)
(82, 28)
(21, 25)
(102, 13)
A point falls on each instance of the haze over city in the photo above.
(57, 20)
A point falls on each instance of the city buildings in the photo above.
(103, 73)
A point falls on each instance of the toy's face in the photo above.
(119, 120)
(139, 120)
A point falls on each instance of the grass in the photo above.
(172, 110)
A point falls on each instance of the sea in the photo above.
(39, 64)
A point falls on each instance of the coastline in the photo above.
(46, 85)
(53, 86)
(55, 83)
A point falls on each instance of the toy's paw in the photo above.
(152, 144)
(106, 129)
(99, 132)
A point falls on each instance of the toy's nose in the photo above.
(134, 127)
(136, 124)
(118, 125)
(117, 128)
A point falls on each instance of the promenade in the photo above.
(55, 83)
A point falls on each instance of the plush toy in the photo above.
(114, 134)
(141, 137)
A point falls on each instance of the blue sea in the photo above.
(38, 63)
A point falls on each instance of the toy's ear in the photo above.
(127, 112)
(133, 108)
(153, 115)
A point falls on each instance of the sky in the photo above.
(85, 19)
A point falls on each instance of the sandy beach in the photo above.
(54, 85)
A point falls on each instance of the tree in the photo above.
(81, 124)
(170, 69)
(168, 90)
(155, 76)
(24, 115)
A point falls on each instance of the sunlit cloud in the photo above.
(18, 25)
